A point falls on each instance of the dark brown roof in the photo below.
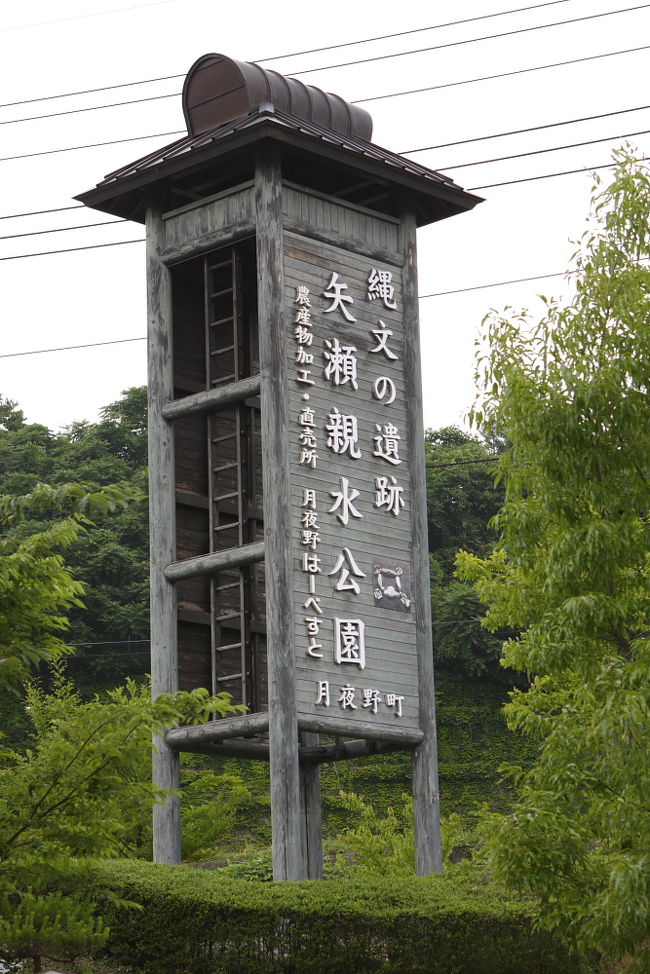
(123, 191)
(218, 90)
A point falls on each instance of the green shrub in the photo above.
(195, 921)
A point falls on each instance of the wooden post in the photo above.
(311, 810)
(288, 862)
(426, 801)
(164, 650)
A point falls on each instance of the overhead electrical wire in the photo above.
(471, 40)
(539, 152)
(525, 131)
(452, 167)
(549, 175)
(404, 33)
(502, 74)
(98, 13)
(421, 297)
(90, 108)
(91, 145)
(143, 338)
(69, 250)
(280, 57)
(72, 348)
(427, 148)
(509, 182)
(136, 101)
(54, 209)
(80, 226)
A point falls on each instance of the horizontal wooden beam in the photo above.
(216, 561)
(259, 750)
(239, 748)
(407, 737)
(212, 399)
(353, 244)
(182, 738)
(208, 241)
(343, 751)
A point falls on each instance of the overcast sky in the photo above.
(522, 230)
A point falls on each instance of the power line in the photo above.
(136, 101)
(417, 30)
(497, 135)
(509, 182)
(90, 91)
(549, 175)
(460, 463)
(421, 297)
(112, 642)
(539, 152)
(142, 338)
(280, 57)
(56, 209)
(71, 348)
(532, 128)
(503, 74)
(473, 40)
(98, 13)
(481, 287)
(90, 108)
(69, 250)
(81, 226)
(91, 145)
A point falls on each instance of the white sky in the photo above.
(520, 231)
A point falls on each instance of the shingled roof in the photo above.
(228, 148)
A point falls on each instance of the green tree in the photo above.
(37, 588)
(112, 561)
(461, 500)
(80, 791)
(572, 572)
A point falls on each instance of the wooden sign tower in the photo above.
(289, 563)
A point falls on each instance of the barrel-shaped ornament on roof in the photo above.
(218, 90)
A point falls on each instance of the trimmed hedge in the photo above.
(194, 921)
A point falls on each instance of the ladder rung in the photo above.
(225, 497)
(225, 378)
(229, 679)
(221, 321)
(222, 649)
(222, 351)
(228, 615)
(222, 263)
(226, 436)
(218, 294)
(228, 585)
(225, 466)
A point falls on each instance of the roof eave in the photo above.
(438, 198)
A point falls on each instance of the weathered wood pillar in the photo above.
(311, 810)
(426, 799)
(288, 862)
(164, 652)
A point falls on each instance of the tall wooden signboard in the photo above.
(289, 562)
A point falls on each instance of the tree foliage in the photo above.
(461, 500)
(81, 790)
(37, 587)
(572, 571)
(112, 560)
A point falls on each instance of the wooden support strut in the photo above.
(426, 800)
(216, 561)
(286, 823)
(212, 399)
(162, 519)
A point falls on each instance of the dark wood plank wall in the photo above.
(215, 455)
